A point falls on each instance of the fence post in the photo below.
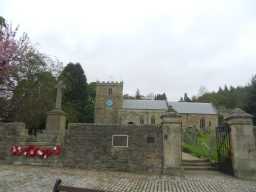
(243, 144)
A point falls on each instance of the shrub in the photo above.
(204, 147)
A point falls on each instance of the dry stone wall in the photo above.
(90, 146)
(135, 116)
(193, 120)
(16, 134)
(10, 133)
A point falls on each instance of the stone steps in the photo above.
(196, 161)
(199, 168)
(197, 165)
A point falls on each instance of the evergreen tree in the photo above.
(89, 108)
(227, 98)
(161, 97)
(75, 98)
(251, 101)
(186, 98)
(138, 95)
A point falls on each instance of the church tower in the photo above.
(108, 102)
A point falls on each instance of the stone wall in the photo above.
(10, 134)
(17, 134)
(90, 146)
(193, 120)
(254, 133)
(108, 114)
(134, 116)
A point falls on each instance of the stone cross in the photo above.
(60, 85)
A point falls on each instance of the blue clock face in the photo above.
(109, 103)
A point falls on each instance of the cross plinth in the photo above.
(60, 85)
(56, 119)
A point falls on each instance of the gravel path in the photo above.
(42, 179)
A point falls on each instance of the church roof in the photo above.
(145, 104)
(195, 108)
(180, 107)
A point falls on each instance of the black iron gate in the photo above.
(224, 148)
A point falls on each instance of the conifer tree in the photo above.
(75, 97)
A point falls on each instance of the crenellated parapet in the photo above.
(109, 83)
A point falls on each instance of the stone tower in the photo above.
(108, 102)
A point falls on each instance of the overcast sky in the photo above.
(172, 46)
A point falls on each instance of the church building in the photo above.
(112, 108)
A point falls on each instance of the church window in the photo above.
(153, 120)
(150, 139)
(120, 140)
(210, 123)
(141, 120)
(110, 92)
(202, 123)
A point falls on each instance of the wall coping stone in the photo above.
(114, 125)
(9, 123)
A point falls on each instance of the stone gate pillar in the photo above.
(243, 144)
(172, 143)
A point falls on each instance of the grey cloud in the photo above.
(157, 54)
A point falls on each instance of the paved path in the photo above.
(187, 156)
(41, 179)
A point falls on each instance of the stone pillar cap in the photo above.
(238, 113)
(56, 112)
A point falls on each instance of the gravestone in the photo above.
(56, 119)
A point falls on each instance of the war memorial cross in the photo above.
(60, 85)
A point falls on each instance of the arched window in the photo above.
(141, 120)
(202, 123)
(110, 92)
(153, 120)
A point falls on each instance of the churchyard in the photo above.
(54, 125)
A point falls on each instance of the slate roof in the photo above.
(145, 104)
(195, 108)
(180, 107)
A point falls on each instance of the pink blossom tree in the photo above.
(14, 54)
(8, 48)
(17, 58)
(24, 72)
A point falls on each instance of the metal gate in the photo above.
(224, 148)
